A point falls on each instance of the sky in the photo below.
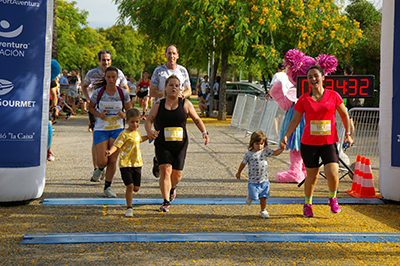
(103, 14)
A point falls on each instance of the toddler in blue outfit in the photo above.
(256, 158)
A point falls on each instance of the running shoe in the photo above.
(50, 156)
(172, 194)
(143, 117)
(109, 194)
(97, 175)
(165, 207)
(264, 214)
(307, 210)
(156, 168)
(248, 201)
(334, 205)
(129, 212)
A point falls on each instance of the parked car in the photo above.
(234, 88)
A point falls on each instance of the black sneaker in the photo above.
(165, 207)
(156, 168)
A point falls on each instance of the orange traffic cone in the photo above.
(367, 185)
(360, 177)
(356, 177)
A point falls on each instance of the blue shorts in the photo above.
(103, 135)
(258, 191)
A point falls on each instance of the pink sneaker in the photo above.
(334, 205)
(307, 210)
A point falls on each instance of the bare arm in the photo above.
(126, 87)
(54, 98)
(150, 120)
(85, 91)
(196, 119)
(187, 92)
(111, 151)
(346, 122)
(277, 152)
(154, 92)
(239, 172)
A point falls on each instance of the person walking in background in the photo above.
(132, 90)
(258, 184)
(202, 87)
(142, 91)
(160, 74)
(216, 92)
(130, 161)
(64, 84)
(107, 105)
(169, 116)
(319, 136)
(94, 80)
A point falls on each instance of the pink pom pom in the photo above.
(293, 57)
(328, 63)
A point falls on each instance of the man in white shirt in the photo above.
(157, 84)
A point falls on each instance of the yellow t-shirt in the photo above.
(129, 155)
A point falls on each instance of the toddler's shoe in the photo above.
(307, 210)
(334, 205)
(248, 201)
(129, 212)
(264, 214)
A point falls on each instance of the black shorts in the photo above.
(142, 94)
(216, 97)
(131, 175)
(92, 120)
(176, 158)
(312, 153)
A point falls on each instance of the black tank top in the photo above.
(171, 119)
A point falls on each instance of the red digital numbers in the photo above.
(329, 84)
(305, 86)
(352, 85)
(364, 87)
(341, 86)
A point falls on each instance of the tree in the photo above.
(259, 30)
(78, 43)
(365, 56)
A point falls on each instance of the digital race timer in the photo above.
(346, 86)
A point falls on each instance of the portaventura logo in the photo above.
(20, 3)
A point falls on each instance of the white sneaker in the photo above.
(97, 175)
(109, 194)
(264, 214)
(129, 212)
(248, 201)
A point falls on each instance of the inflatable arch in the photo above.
(25, 55)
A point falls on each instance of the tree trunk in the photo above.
(54, 52)
(222, 85)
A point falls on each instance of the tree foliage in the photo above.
(259, 30)
(78, 43)
(365, 55)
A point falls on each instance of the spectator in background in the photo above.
(203, 86)
(64, 84)
(216, 92)
(132, 90)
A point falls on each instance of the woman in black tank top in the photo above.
(169, 116)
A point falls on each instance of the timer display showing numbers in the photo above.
(360, 86)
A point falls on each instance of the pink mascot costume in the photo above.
(297, 64)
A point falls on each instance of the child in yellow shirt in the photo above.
(130, 157)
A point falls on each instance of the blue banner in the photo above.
(396, 89)
(22, 61)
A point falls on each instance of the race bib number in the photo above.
(173, 133)
(111, 123)
(320, 127)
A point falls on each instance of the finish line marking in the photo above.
(82, 238)
(202, 201)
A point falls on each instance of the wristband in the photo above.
(205, 132)
(348, 133)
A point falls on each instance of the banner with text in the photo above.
(22, 62)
